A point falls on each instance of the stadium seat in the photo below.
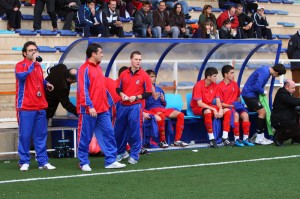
(186, 83)
(174, 101)
(191, 21)
(269, 12)
(128, 34)
(67, 33)
(189, 111)
(289, 24)
(263, 1)
(162, 84)
(27, 32)
(283, 50)
(47, 49)
(216, 10)
(124, 20)
(197, 9)
(17, 48)
(6, 32)
(46, 17)
(47, 32)
(274, 36)
(275, 1)
(61, 48)
(281, 12)
(280, 36)
(288, 2)
(27, 17)
(190, 8)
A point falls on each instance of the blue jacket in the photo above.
(84, 15)
(152, 103)
(256, 82)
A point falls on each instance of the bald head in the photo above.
(289, 85)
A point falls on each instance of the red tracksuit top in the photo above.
(91, 91)
(30, 81)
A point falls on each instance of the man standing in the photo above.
(30, 105)
(92, 107)
(284, 117)
(254, 87)
(293, 52)
(134, 85)
(61, 78)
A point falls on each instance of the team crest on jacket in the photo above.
(137, 81)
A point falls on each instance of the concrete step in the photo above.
(9, 55)
(28, 24)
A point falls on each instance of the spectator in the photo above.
(134, 85)
(177, 22)
(204, 92)
(88, 17)
(111, 20)
(38, 10)
(30, 105)
(254, 87)
(226, 32)
(284, 117)
(126, 8)
(293, 52)
(61, 78)
(156, 104)
(261, 23)
(12, 10)
(245, 23)
(143, 21)
(67, 9)
(207, 15)
(230, 14)
(92, 107)
(185, 8)
(207, 31)
(229, 93)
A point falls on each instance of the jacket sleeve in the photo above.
(258, 87)
(6, 5)
(289, 100)
(20, 74)
(138, 21)
(220, 20)
(292, 45)
(65, 101)
(84, 84)
(235, 23)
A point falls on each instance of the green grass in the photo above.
(263, 179)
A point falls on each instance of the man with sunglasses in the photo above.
(30, 105)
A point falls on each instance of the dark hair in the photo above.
(226, 69)
(28, 43)
(239, 6)
(135, 53)
(122, 69)
(227, 21)
(68, 74)
(279, 68)
(90, 1)
(231, 7)
(204, 11)
(146, 3)
(210, 71)
(174, 8)
(149, 72)
(162, 2)
(92, 48)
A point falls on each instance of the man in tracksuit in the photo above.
(134, 85)
(30, 105)
(92, 107)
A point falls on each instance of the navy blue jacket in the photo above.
(84, 15)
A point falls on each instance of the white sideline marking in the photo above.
(150, 169)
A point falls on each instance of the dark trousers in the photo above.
(38, 10)
(113, 30)
(285, 133)
(262, 32)
(92, 30)
(14, 19)
(69, 16)
(247, 33)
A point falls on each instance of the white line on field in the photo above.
(150, 169)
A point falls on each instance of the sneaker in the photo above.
(24, 167)
(122, 156)
(278, 143)
(212, 143)
(115, 165)
(143, 152)
(226, 142)
(262, 141)
(132, 161)
(252, 139)
(86, 167)
(180, 143)
(48, 166)
(238, 143)
(247, 143)
(163, 144)
(269, 141)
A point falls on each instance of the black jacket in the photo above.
(283, 113)
(244, 19)
(293, 51)
(6, 5)
(61, 91)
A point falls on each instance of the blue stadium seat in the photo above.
(190, 8)
(61, 48)
(263, 1)
(27, 17)
(191, 21)
(163, 84)
(47, 32)
(46, 17)
(174, 101)
(269, 12)
(128, 34)
(288, 2)
(280, 36)
(67, 33)
(27, 32)
(189, 111)
(274, 36)
(47, 49)
(17, 48)
(124, 20)
(280, 23)
(216, 10)
(6, 32)
(275, 1)
(186, 83)
(281, 12)
(197, 9)
(283, 50)
(289, 24)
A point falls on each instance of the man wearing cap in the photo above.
(261, 23)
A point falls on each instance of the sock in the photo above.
(245, 137)
(161, 128)
(260, 125)
(236, 129)
(208, 122)
(225, 135)
(236, 137)
(211, 136)
(179, 126)
(246, 128)
(226, 121)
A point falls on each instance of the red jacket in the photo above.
(225, 15)
(30, 81)
(91, 91)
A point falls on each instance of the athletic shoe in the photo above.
(212, 143)
(180, 143)
(122, 156)
(143, 152)
(252, 139)
(226, 142)
(262, 141)
(115, 165)
(247, 143)
(238, 143)
(163, 144)
(278, 143)
(86, 167)
(24, 167)
(48, 166)
(269, 141)
(132, 161)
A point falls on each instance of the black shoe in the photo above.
(144, 152)
(212, 144)
(187, 16)
(226, 142)
(278, 143)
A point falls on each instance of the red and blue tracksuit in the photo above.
(128, 122)
(31, 112)
(91, 93)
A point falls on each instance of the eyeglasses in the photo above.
(178, 7)
(32, 50)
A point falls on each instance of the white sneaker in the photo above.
(48, 166)
(24, 167)
(132, 161)
(86, 167)
(122, 156)
(180, 143)
(115, 165)
(263, 141)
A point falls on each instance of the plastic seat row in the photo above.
(45, 49)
